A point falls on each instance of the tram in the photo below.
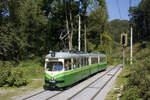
(67, 67)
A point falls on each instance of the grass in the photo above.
(32, 69)
(121, 80)
(11, 93)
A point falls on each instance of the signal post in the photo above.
(123, 44)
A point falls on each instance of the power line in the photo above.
(130, 3)
(119, 9)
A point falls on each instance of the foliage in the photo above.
(140, 20)
(12, 47)
(139, 77)
(33, 27)
(131, 94)
(32, 68)
(99, 39)
(4, 73)
(22, 34)
(11, 76)
(30, 28)
(16, 78)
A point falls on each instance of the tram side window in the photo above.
(102, 59)
(94, 60)
(82, 62)
(87, 61)
(67, 64)
(78, 63)
(74, 63)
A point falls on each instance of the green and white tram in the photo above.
(67, 67)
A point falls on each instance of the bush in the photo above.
(5, 68)
(11, 76)
(16, 78)
(139, 78)
(131, 94)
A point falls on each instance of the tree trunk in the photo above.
(71, 34)
(67, 22)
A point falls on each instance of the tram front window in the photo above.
(54, 66)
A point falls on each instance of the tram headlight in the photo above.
(52, 78)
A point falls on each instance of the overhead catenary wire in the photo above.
(130, 3)
(119, 9)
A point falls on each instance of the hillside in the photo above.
(116, 27)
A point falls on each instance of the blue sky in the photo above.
(113, 11)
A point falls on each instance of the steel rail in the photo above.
(34, 95)
(54, 95)
(90, 84)
(105, 84)
(42, 92)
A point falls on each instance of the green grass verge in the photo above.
(121, 80)
(11, 93)
(32, 69)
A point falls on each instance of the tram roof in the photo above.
(62, 55)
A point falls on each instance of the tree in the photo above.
(24, 33)
(140, 20)
(84, 6)
(3, 11)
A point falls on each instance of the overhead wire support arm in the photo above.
(62, 37)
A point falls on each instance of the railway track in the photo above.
(97, 88)
(104, 85)
(43, 95)
(34, 95)
(55, 95)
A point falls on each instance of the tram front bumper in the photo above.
(53, 83)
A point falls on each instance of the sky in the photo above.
(113, 9)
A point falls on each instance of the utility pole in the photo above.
(85, 40)
(79, 35)
(131, 43)
(123, 55)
